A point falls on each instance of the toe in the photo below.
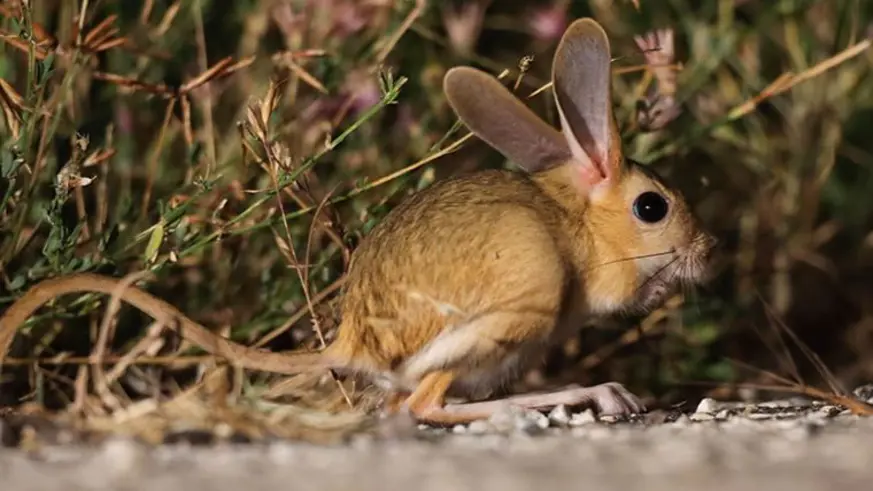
(613, 398)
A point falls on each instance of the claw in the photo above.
(614, 399)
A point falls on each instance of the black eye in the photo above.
(650, 207)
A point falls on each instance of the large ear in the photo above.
(496, 116)
(581, 80)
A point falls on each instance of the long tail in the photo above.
(161, 311)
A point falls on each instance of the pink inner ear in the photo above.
(589, 171)
(589, 160)
(590, 175)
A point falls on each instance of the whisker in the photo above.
(656, 273)
(633, 258)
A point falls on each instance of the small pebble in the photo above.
(480, 427)
(125, 454)
(801, 402)
(526, 426)
(504, 419)
(864, 393)
(702, 416)
(532, 422)
(559, 416)
(829, 411)
(459, 429)
(609, 418)
(707, 405)
(583, 418)
(778, 404)
(656, 417)
(723, 415)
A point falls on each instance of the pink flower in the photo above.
(549, 24)
(363, 89)
(349, 18)
(464, 23)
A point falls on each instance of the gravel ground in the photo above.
(719, 447)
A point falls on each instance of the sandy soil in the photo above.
(815, 450)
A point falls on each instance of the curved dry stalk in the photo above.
(128, 359)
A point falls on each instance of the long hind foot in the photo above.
(610, 398)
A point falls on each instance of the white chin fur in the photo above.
(661, 277)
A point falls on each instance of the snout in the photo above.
(708, 243)
(699, 256)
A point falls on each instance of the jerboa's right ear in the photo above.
(581, 85)
(496, 116)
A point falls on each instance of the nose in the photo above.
(710, 240)
(704, 243)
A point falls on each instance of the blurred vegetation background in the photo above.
(147, 136)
